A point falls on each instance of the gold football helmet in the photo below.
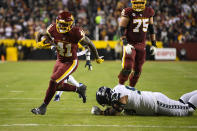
(64, 22)
(138, 5)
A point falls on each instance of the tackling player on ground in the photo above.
(134, 23)
(65, 36)
(134, 102)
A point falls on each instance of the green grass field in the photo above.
(23, 86)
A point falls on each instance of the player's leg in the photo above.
(193, 101)
(185, 97)
(169, 107)
(60, 73)
(73, 81)
(139, 61)
(127, 65)
(49, 93)
(81, 90)
(59, 93)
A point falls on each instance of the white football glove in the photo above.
(152, 50)
(96, 110)
(128, 48)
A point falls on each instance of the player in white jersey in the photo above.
(134, 102)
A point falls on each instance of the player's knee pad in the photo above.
(126, 71)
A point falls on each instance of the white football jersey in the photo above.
(141, 102)
(151, 103)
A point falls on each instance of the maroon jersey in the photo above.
(138, 24)
(67, 43)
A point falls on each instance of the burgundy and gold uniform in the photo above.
(136, 31)
(65, 37)
(67, 45)
(138, 24)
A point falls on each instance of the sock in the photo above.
(50, 91)
(59, 93)
(193, 101)
(185, 97)
(66, 87)
(72, 80)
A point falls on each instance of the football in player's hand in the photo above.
(47, 41)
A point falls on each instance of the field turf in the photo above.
(23, 86)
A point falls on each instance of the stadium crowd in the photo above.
(175, 20)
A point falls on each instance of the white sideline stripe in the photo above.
(135, 126)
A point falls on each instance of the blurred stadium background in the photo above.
(20, 20)
(23, 83)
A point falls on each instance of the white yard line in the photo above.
(78, 125)
(17, 91)
(5, 98)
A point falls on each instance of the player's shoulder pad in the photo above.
(126, 12)
(78, 33)
(81, 31)
(76, 29)
(150, 11)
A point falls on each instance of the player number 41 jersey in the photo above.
(67, 43)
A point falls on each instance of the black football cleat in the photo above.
(39, 111)
(81, 90)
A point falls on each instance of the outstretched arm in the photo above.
(86, 42)
(116, 109)
(107, 112)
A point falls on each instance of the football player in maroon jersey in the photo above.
(65, 36)
(134, 23)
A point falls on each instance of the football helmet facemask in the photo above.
(64, 22)
(138, 5)
(103, 96)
